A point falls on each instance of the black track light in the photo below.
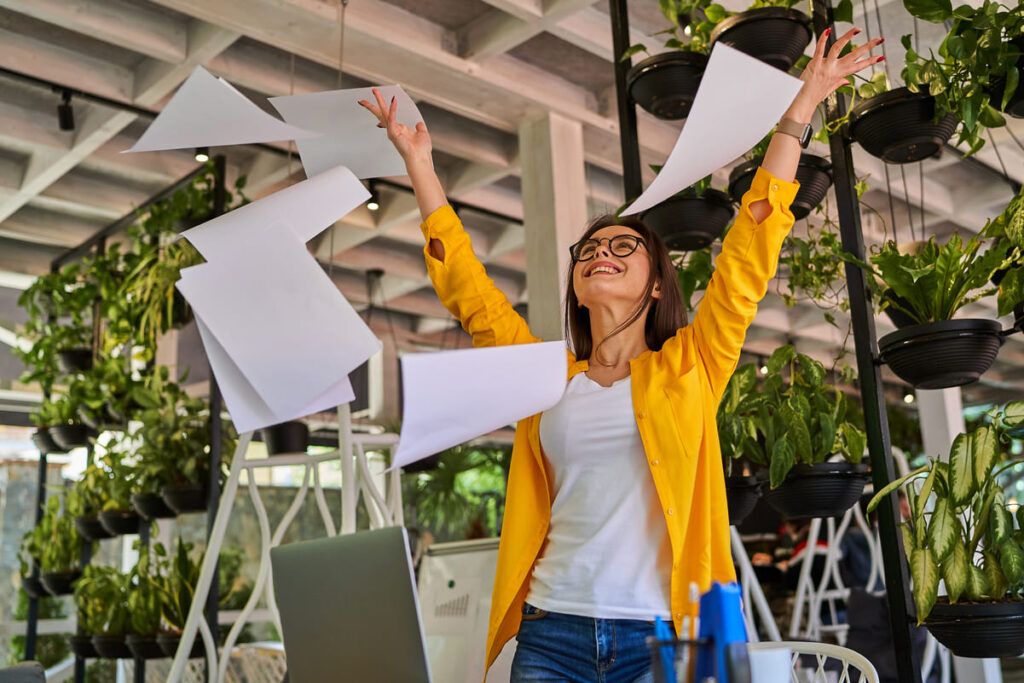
(373, 203)
(202, 154)
(65, 113)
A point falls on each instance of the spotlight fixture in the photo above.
(65, 113)
(373, 203)
(908, 397)
(687, 30)
(202, 154)
(763, 369)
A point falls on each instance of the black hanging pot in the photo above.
(119, 522)
(111, 647)
(427, 464)
(90, 528)
(169, 644)
(814, 175)
(81, 646)
(1015, 107)
(151, 506)
(33, 587)
(287, 437)
(741, 493)
(898, 317)
(75, 360)
(688, 222)
(775, 35)
(60, 583)
(45, 442)
(144, 647)
(185, 498)
(181, 312)
(983, 629)
(666, 84)
(944, 354)
(71, 436)
(94, 420)
(899, 126)
(824, 489)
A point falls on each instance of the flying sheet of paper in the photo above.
(248, 411)
(306, 208)
(280, 319)
(350, 133)
(207, 112)
(453, 396)
(739, 100)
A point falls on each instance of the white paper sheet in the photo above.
(248, 411)
(739, 100)
(451, 397)
(280, 319)
(307, 208)
(350, 133)
(207, 112)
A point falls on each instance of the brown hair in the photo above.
(665, 315)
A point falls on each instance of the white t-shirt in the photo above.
(608, 554)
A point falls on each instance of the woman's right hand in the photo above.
(412, 143)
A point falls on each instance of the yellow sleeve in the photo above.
(747, 263)
(464, 288)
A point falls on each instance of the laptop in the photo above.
(349, 610)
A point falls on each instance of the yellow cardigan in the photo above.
(676, 392)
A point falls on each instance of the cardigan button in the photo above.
(670, 511)
(640, 415)
(775, 187)
(655, 462)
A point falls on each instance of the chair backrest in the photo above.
(823, 662)
(25, 672)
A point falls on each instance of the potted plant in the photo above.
(1006, 231)
(69, 431)
(771, 30)
(101, 601)
(118, 516)
(30, 555)
(977, 69)
(85, 502)
(60, 306)
(45, 418)
(287, 437)
(691, 219)
(814, 173)
(179, 578)
(960, 531)
(666, 84)
(802, 425)
(737, 434)
(930, 286)
(145, 608)
(60, 549)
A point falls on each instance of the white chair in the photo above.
(853, 666)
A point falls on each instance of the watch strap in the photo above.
(800, 131)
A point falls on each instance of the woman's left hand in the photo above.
(828, 71)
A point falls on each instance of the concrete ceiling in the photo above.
(477, 69)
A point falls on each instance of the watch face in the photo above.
(805, 139)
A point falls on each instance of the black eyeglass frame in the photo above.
(575, 247)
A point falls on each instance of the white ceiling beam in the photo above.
(497, 32)
(591, 30)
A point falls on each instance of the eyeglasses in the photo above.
(620, 246)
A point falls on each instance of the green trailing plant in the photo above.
(87, 496)
(143, 600)
(694, 270)
(179, 576)
(690, 25)
(800, 418)
(977, 55)
(60, 547)
(935, 281)
(960, 529)
(1006, 232)
(109, 389)
(101, 601)
(120, 466)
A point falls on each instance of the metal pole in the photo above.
(216, 427)
(632, 180)
(32, 624)
(897, 578)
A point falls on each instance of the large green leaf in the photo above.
(1013, 414)
(799, 435)
(782, 462)
(826, 433)
(961, 470)
(997, 584)
(1011, 560)
(779, 358)
(1000, 524)
(955, 572)
(893, 485)
(984, 448)
(925, 574)
(977, 587)
(943, 530)
(856, 441)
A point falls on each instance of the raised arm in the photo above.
(458, 276)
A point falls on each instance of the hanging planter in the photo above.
(111, 647)
(742, 494)
(75, 360)
(814, 175)
(69, 436)
(151, 506)
(688, 221)
(665, 85)
(775, 35)
(185, 498)
(90, 528)
(169, 644)
(144, 647)
(899, 126)
(824, 489)
(992, 629)
(33, 587)
(287, 437)
(45, 442)
(949, 353)
(119, 522)
(81, 646)
(60, 583)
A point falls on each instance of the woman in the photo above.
(616, 498)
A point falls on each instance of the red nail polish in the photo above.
(882, 58)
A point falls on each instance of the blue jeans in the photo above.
(565, 648)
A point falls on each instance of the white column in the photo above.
(384, 382)
(554, 210)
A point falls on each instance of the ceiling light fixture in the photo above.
(373, 203)
(202, 154)
(65, 112)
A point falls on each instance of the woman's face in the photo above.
(606, 278)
